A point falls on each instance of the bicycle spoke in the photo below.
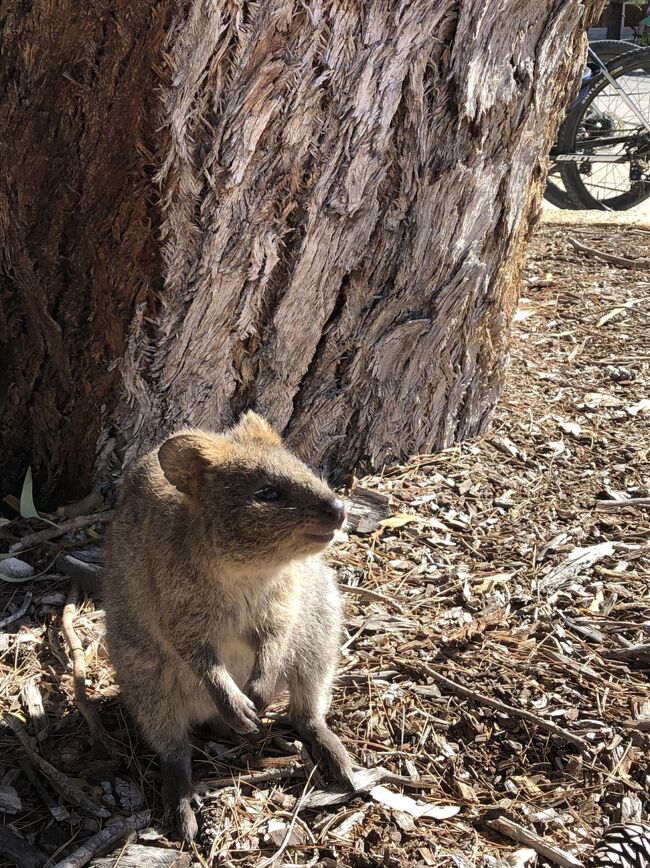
(618, 122)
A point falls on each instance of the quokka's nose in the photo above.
(334, 510)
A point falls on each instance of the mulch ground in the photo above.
(498, 634)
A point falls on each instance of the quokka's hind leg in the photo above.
(310, 694)
(177, 790)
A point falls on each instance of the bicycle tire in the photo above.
(557, 196)
(578, 193)
(607, 50)
(610, 49)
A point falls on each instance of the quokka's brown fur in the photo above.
(217, 596)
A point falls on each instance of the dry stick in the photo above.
(76, 651)
(355, 636)
(517, 833)
(108, 837)
(623, 261)
(465, 692)
(61, 783)
(609, 505)
(19, 612)
(64, 527)
(292, 770)
(372, 595)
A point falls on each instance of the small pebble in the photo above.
(14, 568)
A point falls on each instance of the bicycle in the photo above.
(602, 151)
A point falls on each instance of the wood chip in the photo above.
(32, 701)
(366, 510)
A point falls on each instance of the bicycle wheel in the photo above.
(608, 143)
(607, 50)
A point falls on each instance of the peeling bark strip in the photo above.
(342, 194)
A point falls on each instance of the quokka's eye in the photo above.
(268, 495)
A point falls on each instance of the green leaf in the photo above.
(4, 521)
(27, 506)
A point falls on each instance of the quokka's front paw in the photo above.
(239, 712)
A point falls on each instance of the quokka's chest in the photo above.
(238, 655)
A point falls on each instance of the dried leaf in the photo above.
(276, 832)
(609, 316)
(407, 805)
(399, 520)
(522, 859)
(571, 428)
(522, 315)
(592, 400)
(642, 406)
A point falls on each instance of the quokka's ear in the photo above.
(185, 457)
(253, 427)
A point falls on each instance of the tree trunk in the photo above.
(318, 210)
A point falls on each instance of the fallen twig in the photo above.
(292, 770)
(611, 505)
(61, 783)
(465, 692)
(19, 612)
(373, 595)
(623, 261)
(64, 527)
(76, 651)
(108, 837)
(512, 830)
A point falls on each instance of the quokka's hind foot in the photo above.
(182, 817)
(178, 794)
(328, 751)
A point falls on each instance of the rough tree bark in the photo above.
(316, 209)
